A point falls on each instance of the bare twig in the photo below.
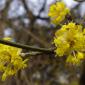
(27, 47)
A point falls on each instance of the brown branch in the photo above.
(27, 47)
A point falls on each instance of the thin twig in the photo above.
(27, 47)
(30, 53)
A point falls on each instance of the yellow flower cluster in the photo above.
(10, 60)
(70, 41)
(57, 12)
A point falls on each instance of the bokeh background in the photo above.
(27, 22)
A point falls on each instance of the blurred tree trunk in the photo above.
(82, 76)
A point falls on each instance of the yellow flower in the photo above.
(61, 47)
(80, 55)
(57, 12)
(75, 59)
(10, 60)
(70, 38)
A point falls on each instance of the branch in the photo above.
(30, 14)
(30, 53)
(27, 47)
(5, 10)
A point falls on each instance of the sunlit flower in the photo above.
(10, 60)
(70, 38)
(57, 12)
(75, 59)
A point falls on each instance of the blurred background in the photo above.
(27, 22)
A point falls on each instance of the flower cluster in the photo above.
(70, 41)
(10, 60)
(57, 12)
